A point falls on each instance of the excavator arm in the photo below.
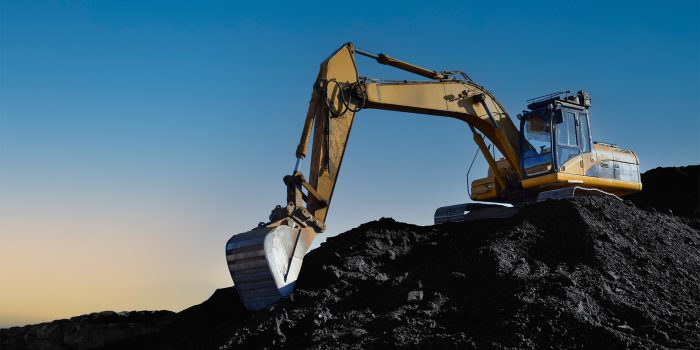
(264, 262)
(338, 94)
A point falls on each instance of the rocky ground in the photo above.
(86, 331)
(590, 273)
(672, 190)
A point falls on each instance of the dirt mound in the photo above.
(591, 273)
(86, 331)
(203, 326)
(676, 189)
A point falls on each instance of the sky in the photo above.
(137, 136)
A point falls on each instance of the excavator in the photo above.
(551, 156)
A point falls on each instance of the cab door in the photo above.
(568, 143)
(588, 155)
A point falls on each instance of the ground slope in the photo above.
(85, 332)
(590, 273)
(675, 189)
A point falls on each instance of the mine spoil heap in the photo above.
(589, 273)
(593, 273)
(673, 190)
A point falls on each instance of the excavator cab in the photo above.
(556, 149)
(553, 132)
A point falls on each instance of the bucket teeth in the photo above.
(264, 263)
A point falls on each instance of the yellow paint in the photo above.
(557, 180)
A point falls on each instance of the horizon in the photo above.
(136, 138)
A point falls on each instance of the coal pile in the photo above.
(590, 273)
(203, 326)
(85, 332)
(671, 190)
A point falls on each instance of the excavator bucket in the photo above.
(265, 262)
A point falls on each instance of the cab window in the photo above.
(585, 133)
(537, 144)
(566, 131)
(567, 138)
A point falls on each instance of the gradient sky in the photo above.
(136, 137)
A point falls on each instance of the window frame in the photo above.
(584, 113)
(565, 114)
(552, 153)
(564, 110)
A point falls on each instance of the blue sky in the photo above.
(149, 132)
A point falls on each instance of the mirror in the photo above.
(558, 116)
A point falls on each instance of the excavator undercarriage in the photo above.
(551, 156)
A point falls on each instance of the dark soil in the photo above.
(593, 273)
(590, 273)
(203, 326)
(674, 190)
(86, 331)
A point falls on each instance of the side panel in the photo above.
(573, 165)
(616, 171)
(604, 169)
(614, 163)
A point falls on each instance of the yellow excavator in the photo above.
(552, 156)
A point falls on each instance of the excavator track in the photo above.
(471, 212)
(480, 211)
